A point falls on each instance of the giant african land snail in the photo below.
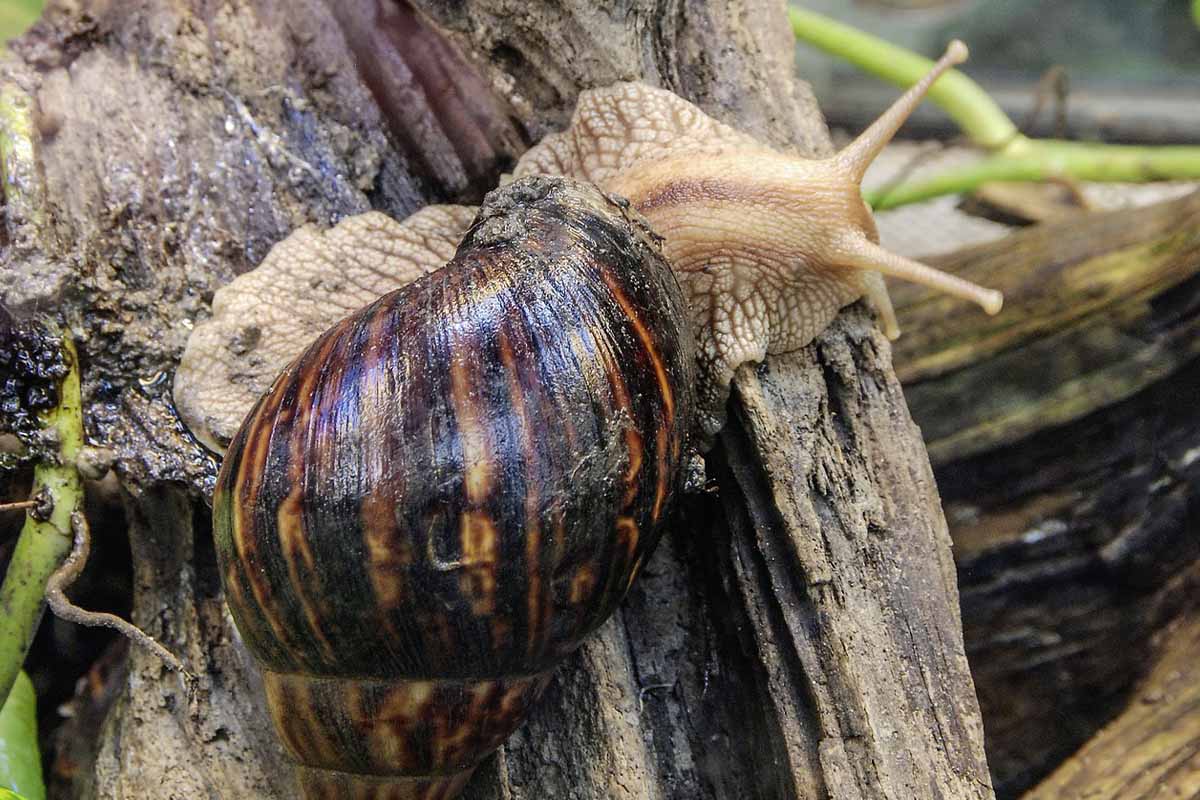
(442, 495)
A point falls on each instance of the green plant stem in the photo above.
(1014, 156)
(18, 161)
(1048, 159)
(43, 544)
(971, 108)
(20, 763)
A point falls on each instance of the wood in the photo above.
(808, 647)
(1152, 749)
(1066, 442)
(1089, 320)
(837, 538)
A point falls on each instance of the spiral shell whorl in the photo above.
(369, 738)
(450, 489)
(325, 785)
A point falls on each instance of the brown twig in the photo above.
(63, 608)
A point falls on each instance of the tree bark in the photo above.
(797, 638)
(1067, 448)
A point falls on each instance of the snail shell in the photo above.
(447, 491)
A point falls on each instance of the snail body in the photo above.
(419, 521)
(438, 499)
(768, 245)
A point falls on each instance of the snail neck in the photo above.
(772, 210)
(775, 215)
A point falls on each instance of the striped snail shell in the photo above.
(447, 491)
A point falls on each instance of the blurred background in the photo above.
(1131, 68)
(16, 16)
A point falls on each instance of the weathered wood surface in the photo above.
(1095, 311)
(808, 648)
(848, 575)
(1152, 750)
(1067, 449)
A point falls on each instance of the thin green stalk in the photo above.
(43, 544)
(1048, 159)
(1014, 156)
(18, 162)
(971, 108)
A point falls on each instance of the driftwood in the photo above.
(804, 643)
(1153, 748)
(1096, 310)
(1067, 449)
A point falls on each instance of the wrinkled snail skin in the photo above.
(446, 492)
(449, 490)
(768, 245)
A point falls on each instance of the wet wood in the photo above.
(1066, 444)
